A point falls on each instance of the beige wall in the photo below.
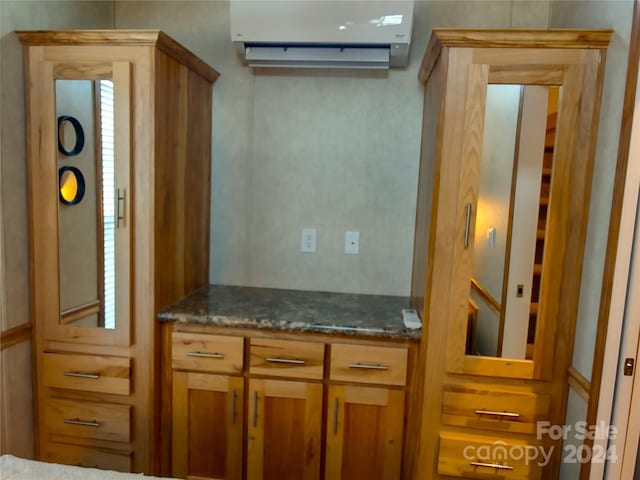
(334, 150)
(15, 396)
(617, 16)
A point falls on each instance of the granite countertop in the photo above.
(293, 311)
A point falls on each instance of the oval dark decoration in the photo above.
(77, 128)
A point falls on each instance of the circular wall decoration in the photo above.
(79, 135)
(71, 184)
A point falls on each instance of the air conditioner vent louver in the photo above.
(317, 57)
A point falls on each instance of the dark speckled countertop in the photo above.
(293, 311)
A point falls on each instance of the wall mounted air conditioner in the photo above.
(322, 33)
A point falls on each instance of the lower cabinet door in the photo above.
(207, 426)
(284, 431)
(364, 433)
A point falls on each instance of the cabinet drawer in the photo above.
(100, 421)
(207, 353)
(493, 410)
(471, 456)
(87, 372)
(83, 456)
(367, 364)
(285, 358)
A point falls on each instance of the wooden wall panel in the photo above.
(429, 151)
(183, 168)
(16, 401)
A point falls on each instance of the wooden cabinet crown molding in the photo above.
(572, 39)
(155, 38)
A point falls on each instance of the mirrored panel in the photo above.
(87, 203)
(510, 220)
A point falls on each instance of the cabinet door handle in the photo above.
(497, 414)
(120, 206)
(233, 407)
(497, 466)
(369, 366)
(336, 405)
(205, 354)
(467, 225)
(293, 361)
(83, 423)
(93, 376)
(255, 409)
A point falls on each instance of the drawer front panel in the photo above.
(470, 456)
(100, 421)
(285, 358)
(367, 364)
(87, 372)
(83, 456)
(494, 410)
(207, 353)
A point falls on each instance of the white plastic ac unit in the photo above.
(322, 33)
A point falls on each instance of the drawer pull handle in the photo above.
(497, 414)
(369, 366)
(293, 361)
(93, 376)
(497, 466)
(205, 354)
(82, 423)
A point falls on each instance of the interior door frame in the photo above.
(626, 401)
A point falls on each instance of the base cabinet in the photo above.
(207, 426)
(285, 430)
(284, 408)
(364, 433)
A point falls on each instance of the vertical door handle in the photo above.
(336, 405)
(232, 415)
(121, 205)
(467, 225)
(255, 409)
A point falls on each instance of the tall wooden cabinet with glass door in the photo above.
(509, 133)
(118, 152)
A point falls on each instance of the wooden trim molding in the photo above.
(120, 37)
(579, 383)
(558, 38)
(523, 38)
(15, 335)
(486, 296)
(81, 311)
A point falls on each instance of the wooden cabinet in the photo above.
(207, 425)
(284, 431)
(364, 432)
(118, 146)
(207, 408)
(306, 416)
(509, 132)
